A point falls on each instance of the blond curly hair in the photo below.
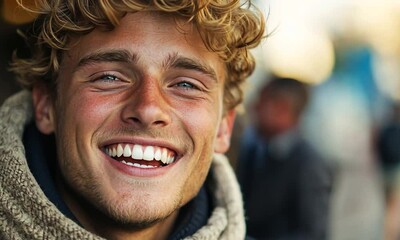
(228, 27)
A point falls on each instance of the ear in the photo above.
(43, 107)
(223, 140)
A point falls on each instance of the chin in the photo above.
(135, 222)
(137, 213)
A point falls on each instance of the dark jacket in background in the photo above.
(286, 188)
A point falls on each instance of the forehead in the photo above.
(149, 35)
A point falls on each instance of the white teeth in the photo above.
(120, 150)
(157, 154)
(137, 152)
(127, 163)
(147, 166)
(137, 165)
(127, 151)
(148, 153)
(164, 156)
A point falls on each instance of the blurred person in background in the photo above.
(389, 155)
(286, 185)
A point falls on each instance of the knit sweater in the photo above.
(26, 212)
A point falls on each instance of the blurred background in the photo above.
(12, 18)
(349, 52)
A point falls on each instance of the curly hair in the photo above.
(229, 28)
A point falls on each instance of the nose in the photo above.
(147, 106)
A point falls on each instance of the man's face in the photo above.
(137, 118)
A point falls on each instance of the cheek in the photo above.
(79, 116)
(88, 109)
(202, 123)
(203, 130)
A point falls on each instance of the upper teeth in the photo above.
(139, 152)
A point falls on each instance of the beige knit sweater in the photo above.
(26, 213)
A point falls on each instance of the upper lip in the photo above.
(143, 142)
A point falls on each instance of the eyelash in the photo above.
(187, 85)
(107, 75)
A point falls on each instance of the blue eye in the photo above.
(108, 78)
(186, 85)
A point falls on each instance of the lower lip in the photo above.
(138, 172)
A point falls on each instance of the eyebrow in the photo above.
(108, 56)
(176, 61)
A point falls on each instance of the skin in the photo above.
(145, 82)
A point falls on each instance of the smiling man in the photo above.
(129, 111)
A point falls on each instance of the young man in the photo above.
(133, 104)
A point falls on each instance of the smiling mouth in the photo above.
(136, 155)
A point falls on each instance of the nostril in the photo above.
(135, 120)
(159, 122)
